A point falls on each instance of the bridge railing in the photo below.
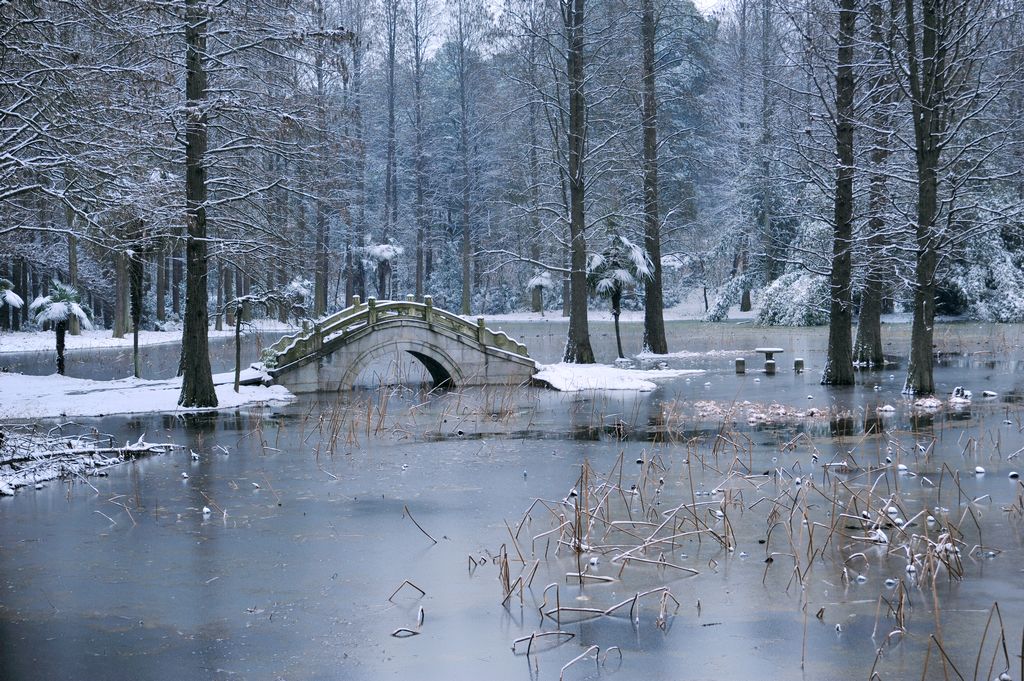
(359, 315)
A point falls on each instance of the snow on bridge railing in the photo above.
(310, 340)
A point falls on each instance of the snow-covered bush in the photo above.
(988, 281)
(795, 299)
(728, 295)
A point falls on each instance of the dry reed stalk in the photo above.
(211, 502)
(563, 636)
(125, 507)
(581, 577)
(581, 656)
(515, 544)
(946, 659)
(511, 590)
(994, 612)
(404, 584)
(407, 512)
(660, 563)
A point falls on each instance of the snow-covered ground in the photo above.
(42, 341)
(691, 307)
(33, 397)
(573, 377)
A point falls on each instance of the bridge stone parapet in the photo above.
(330, 353)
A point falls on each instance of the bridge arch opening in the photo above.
(438, 374)
(402, 362)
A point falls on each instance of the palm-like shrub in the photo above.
(8, 296)
(619, 267)
(58, 309)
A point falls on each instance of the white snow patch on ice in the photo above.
(572, 377)
(29, 397)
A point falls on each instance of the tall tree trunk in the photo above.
(357, 272)
(219, 312)
(350, 289)
(197, 388)
(467, 237)
(5, 310)
(927, 96)
(323, 261)
(283, 310)
(135, 277)
(321, 277)
(428, 255)
(238, 346)
(577, 345)
(919, 369)
(537, 294)
(654, 313)
(616, 311)
(467, 248)
(18, 279)
(764, 144)
(176, 277)
(242, 284)
(420, 169)
(61, 328)
(867, 348)
(391, 21)
(120, 294)
(161, 285)
(566, 279)
(839, 362)
(739, 257)
(74, 325)
(227, 283)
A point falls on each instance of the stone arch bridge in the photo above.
(330, 354)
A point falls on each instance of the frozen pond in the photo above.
(309, 531)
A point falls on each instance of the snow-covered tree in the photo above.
(536, 285)
(58, 309)
(298, 295)
(621, 266)
(381, 258)
(795, 299)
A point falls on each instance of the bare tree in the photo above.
(839, 360)
(577, 345)
(654, 315)
(867, 348)
(942, 69)
(421, 27)
(197, 377)
(392, 11)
